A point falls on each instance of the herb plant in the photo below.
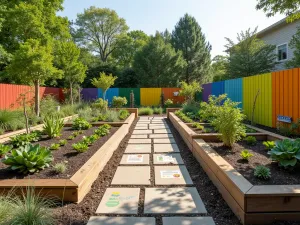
(81, 124)
(198, 126)
(262, 172)
(54, 146)
(53, 126)
(24, 139)
(71, 137)
(118, 102)
(60, 167)
(80, 147)
(4, 149)
(251, 140)
(246, 155)
(183, 117)
(269, 144)
(123, 114)
(62, 142)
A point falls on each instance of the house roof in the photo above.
(279, 24)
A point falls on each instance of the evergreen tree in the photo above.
(188, 38)
(295, 45)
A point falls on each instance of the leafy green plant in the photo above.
(269, 144)
(197, 126)
(100, 104)
(169, 103)
(158, 110)
(183, 117)
(80, 132)
(54, 146)
(71, 137)
(250, 140)
(4, 149)
(75, 133)
(62, 142)
(90, 139)
(102, 130)
(208, 109)
(262, 172)
(246, 155)
(189, 90)
(80, 147)
(145, 111)
(123, 114)
(112, 116)
(24, 139)
(29, 158)
(53, 126)
(81, 124)
(286, 152)
(118, 102)
(60, 167)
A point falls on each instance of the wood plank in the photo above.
(43, 183)
(271, 136)
(269, 218)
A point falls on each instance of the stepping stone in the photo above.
(164, 141)
(143, 122)
(139, 141)
(138, 148)
(173, 201)
(138, 136)
(172, 175)
(119, 201)
(158, 122)
(142, 132)
(132, 175)
(97, 220)
(160, 126)
(160, 136)
(137, 159)
(165, 148)
(167, 158)
(188, 221)
(162, 131)
(141, 128)
(141, 125)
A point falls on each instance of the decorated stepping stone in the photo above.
(139, 141)
(141, 159)
(119, 201)
(142, 132)
(167, 158)
(173, 201)
(172, 175)
(162, 131)
(138, 136)
(97, 220)
(132, 175)
(160, 136)
(188, 221)
(165, 141)
(165, 148)
(138, 148)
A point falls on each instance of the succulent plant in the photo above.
(262, 172)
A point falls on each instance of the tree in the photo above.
(158, 64)
(295, 44)
(188, 38)
(250, 56)
(287, 7)
(189, 90)
(33, 63)
(104, 82)
(99, 30)
(67, 55)
(219, 68)
(128, 79)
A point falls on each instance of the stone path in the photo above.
(151, 173)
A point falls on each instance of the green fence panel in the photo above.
(125, 92)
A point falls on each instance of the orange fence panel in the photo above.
(169, 94)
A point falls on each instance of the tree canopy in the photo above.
(295, 45)
(104, 82)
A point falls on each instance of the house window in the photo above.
(282, 52)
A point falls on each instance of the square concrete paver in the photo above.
(139, 141)
(162, 131)
(172, 175)
(167, 158)
(132, 175)
(141, 128)
(165, 148)
(161, 127)
(144, 122)
(173, 201)
(188, 221)
(138, 136)
(164, 141)
(138, 148)
(161, 136)
(137, 159)
(97, 220)
(142, 132)
(119, 201)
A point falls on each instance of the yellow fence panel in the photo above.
(263, 108)
(150, 96)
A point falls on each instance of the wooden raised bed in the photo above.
(252, 204)
(75, 188)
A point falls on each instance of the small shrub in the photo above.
(183, 117)
(208, 110)
(169, 103)
(123, 114)
(48, 105)
(145, 111)
(75, 133)
(198, 126)
(269, 144)
(54, 146)
(191, 110)
(102, 130)
(100, 104)
(246, 155)
(62, 142)
(262, 172)
(81, 124)
(71, 137)
(68, 110)
(102, 117)
(112, 116)
(24, 139)
(90, 139)
(189, 90)
(29, 159)
(251, 140)
(53, 126)
(118, 102)
(60, 167)
(86, 113)
(158, 111)
(4, 149)
(80, 147)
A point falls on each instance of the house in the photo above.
(280, 35)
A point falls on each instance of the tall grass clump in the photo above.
(6, 208)
(11, 120)
(145, 111)
(112, 116)
(158, 110)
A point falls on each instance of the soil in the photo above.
(208, 129)
(279, 176)
(65, 154)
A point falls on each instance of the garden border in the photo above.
(252, 204)
(75, 188)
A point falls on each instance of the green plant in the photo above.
(183, 117)
(62, 142)
(48, 105)
(189, 90)
(54, 146)
(118, 102)
(4, 149)
(158, 110)
(145, 111)
(71, 137)
(104, 82)
(286, 152)
(1, 131)
(102, 117)
(102, 130)
(250, 140)
(80, 147)
(112, 116)
(123, 114)
(60, 167)
(80, 132)
(100, 104)
(208, 109)
(90, 139)
(246, 155)
(53, 126)
(262, 172)
(68, 110)
(75, 133)
(169, 103)
(29, 158)
(191, 110)
(198, 126)
(24, 139)
(269, 144)
(8, 119)
(6, 208)
(81, 124)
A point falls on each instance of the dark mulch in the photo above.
(65, 153)
(208, 129)
(279, 176)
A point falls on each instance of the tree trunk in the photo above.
(37, 97)
(71, 93)
(26, 116)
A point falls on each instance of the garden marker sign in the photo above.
(285, 119)
(170, 174)
(135, 158)
(165, 158)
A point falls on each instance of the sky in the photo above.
(217, 18)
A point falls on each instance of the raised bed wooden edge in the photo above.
(75, 188)
(252, 204)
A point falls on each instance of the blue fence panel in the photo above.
(218, 88)
(234, 90)
(110, 93)
(206, 91)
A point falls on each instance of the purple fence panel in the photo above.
(207, 89)
(89, 94)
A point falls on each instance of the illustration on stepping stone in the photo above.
(114, 200)
(165, 158)
(135, 158)
(170, 174)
